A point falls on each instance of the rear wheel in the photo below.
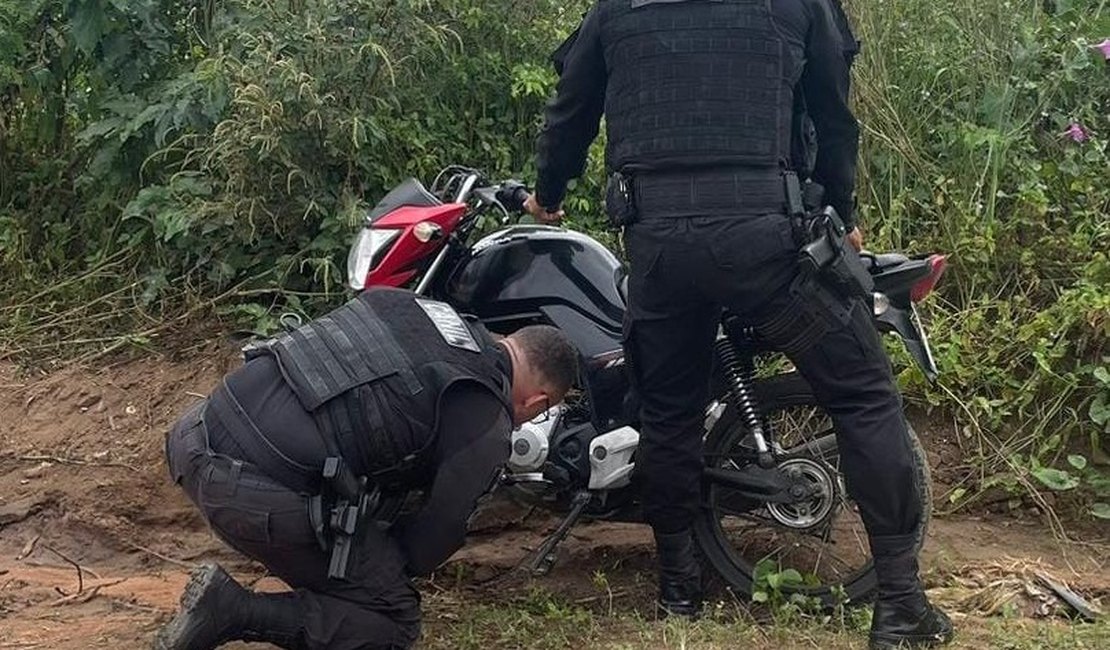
(823, 540)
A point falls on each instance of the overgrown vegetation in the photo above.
(543, 620)
(160, 160)
(158, 152)
(986, 138)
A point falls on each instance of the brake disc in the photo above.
(818, 507)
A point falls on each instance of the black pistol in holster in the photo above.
(620, 201)
(340, 513)
(825, 250)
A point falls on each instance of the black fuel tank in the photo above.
(540, 273)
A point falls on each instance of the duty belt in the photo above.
(709, 192)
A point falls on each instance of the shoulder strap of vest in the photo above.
(490, 349)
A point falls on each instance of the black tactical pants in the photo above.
(683, 271)
(377, 607)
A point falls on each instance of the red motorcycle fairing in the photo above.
(403, 259)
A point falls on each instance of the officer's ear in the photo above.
(529, 407)
(536, 404)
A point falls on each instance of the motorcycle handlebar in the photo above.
(513, 195)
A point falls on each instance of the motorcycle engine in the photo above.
(531, 442)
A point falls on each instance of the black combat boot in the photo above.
(903, 616)
(216, 609)
(679, 575)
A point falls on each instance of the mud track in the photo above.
(96, 543)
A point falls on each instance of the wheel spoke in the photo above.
(824, 544)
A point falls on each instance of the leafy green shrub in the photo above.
(986, 137)
(158, 158)
(235, 147)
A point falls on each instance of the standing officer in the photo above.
(347, 456)
(707, 106)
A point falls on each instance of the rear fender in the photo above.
(905, 323)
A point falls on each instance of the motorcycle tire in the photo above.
(780, 393)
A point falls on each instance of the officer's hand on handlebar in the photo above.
(855, 238)
(540, 213)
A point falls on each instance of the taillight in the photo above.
(367, 252)
(925, 286)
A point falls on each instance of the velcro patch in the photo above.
(450, 325)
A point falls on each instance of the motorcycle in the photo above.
(773, 498)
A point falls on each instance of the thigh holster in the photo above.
(813, 311)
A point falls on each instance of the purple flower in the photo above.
(1077, 133)
(1103, 47)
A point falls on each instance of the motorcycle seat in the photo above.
(622, 288)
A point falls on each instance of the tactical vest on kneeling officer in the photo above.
(373, 374)
(374, 387)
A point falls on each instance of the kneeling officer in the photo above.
(346, 456)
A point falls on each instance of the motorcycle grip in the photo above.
(513, 195)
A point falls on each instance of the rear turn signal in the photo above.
(937, 266)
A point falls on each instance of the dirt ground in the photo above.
(96, 543)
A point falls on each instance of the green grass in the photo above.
(539, 620)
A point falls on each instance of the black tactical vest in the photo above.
(696, 83)
(373, 373)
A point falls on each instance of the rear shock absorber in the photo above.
(740, 372)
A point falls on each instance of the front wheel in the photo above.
(823, 540)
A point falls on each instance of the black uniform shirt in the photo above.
(572, 118)
(473, 446)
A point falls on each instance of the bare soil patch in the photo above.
(96, 543)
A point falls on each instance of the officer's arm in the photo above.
(572, 119)
(825, 82)
(473, 446)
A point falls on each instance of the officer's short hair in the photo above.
(551, 354)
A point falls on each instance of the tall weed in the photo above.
(163, 158)
(974, 117)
